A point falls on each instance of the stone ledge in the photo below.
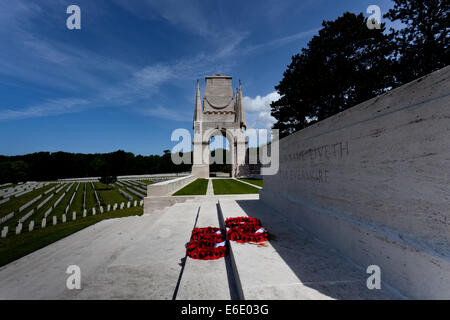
(415, 272)
(169, 187)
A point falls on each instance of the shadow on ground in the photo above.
(314, 263)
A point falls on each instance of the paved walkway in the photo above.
(210, 190)
(128, 258)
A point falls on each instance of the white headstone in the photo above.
(64, 218)
(108, 208)
(19, 228)
(101, 209)
(84, 213)
(4, 231)
(54, 220)
(128, 204)
(44, 223)
(31, 225)
(122, 205)
(115, 206)
(135, 203)
(74, 216)
(141, 203)
(93, 211)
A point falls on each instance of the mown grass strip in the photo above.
(231, 186)
(258, 182)
(77, 204)
(91, 202)
(196, 188)
(108, 194)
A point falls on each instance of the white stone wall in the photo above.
(373, 182)
(167, 188)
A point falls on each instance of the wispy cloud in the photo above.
(258, 110)
(47, 108)
(90, 79)
(274, 43)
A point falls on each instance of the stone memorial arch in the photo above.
(221, 114)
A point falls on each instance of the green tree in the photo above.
(19, 171)
(108, 179)
(345, 64)
(421, 46)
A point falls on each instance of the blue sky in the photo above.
(127, 79)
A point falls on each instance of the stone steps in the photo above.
(143, 258)
(205, 279)
(294, 265)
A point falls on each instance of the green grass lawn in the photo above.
(108, 194)
(77, 204)
(258, 182)
(196, 188)
(15, 246)
(91, 202)
(39, 214)
(60, 209)
(230, 186)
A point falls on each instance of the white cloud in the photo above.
(90, 79)
(258, 110)
(280, 41)
(260, 103)
(47, 108)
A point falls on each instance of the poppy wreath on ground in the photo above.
(246, 229)
(209, 233)
(242, 221)
(207, 244)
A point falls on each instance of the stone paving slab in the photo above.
(210, 190)
(127, 258)
(294, 265)
(205, 279)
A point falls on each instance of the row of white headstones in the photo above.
(135, 184)
(15, 192)
(114, 207)
(32, 201)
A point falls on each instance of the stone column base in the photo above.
(200, 171)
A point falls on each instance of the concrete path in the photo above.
(210, 190)
(128, 258)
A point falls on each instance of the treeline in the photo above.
(44, 166)
(58, 165)
(348, 63)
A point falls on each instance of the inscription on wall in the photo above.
(334, 151)
(327, 152)
(313, 175)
